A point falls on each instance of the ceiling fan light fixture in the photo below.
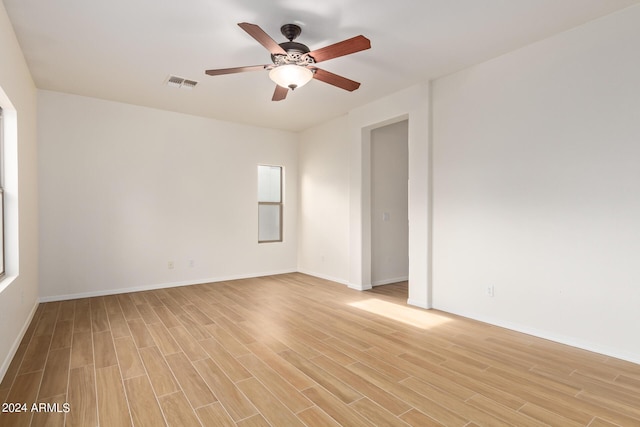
(291, 76)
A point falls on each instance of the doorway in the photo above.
(390, 204)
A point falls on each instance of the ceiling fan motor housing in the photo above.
(296, 52)
(295, 47)
(291, 31)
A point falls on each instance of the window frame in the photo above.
(280, 204)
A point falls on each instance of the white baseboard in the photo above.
(357, 287)
(14, 348)
(634, 358)
(324, 276)
(160, 286)
(418, 303)
(353, 286)
(199, 281)
(548, 335)
(389, 281)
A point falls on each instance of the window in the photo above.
(269, 204)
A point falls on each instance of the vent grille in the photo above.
(179, 82)
(189, 84)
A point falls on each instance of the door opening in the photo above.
(390, 204)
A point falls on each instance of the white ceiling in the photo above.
(124, 50)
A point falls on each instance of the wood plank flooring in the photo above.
(293, 350)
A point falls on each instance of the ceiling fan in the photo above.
(294, 63)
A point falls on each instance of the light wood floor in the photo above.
(294, 350)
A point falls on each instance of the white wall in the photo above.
(389, 204)
(126, 189)
(19, 289)
(335, 205)
(537, 184)
(323, 215)
(410, 104)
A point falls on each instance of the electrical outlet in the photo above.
(192, 263)
(170, 265)
(489, 290)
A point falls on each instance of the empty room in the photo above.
(339, 213)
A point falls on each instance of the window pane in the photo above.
(269, 223)
(269, 178)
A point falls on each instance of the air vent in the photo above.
(189, 84)
(179, 82)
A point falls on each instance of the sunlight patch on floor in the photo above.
(411, 316)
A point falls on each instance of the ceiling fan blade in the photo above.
(335, 80)
(280, 93)
(263, 38)
(345, 47)
(235, 70)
